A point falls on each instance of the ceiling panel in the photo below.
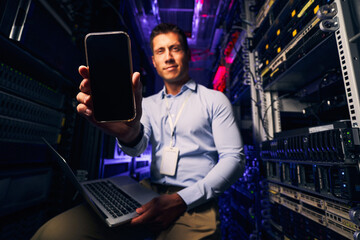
(178, 12)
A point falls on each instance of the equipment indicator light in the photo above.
(278, 32)
(294, 33)
(316, 9)
(279, 50)
(267, 46)
(293, 13)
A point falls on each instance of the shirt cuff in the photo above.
(192, 196)
(136, 149)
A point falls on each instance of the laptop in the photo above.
(114, 199)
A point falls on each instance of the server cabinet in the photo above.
(307, 60)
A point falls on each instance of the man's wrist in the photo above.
(134, 141)
(181, 201)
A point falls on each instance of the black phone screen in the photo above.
(110, 67)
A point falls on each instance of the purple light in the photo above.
(196, 17)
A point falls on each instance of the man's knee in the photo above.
(70, 224)
(53, 229)
(200, 223)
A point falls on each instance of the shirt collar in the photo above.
(189, 85)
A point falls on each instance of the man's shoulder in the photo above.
(210, 94)
(152, 98)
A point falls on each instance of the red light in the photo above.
(229, 59)
(219, 82)
(231, 43)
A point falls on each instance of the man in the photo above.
(196, 149)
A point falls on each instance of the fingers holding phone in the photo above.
(120, 129)
(84, 72)
(84, 96)
(137, 85)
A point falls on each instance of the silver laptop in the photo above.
(114, 199)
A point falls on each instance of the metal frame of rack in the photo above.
(349, 60)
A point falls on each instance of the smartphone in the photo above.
(108, 56)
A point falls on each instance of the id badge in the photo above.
(169, 161)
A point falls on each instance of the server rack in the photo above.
(309, 140)
(31, 108)
(296, 68)
(37, 99)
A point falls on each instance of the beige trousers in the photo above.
(81, 222)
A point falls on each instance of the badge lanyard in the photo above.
(171, 123)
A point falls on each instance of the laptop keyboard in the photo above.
(115, 201)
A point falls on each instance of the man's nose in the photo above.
(169, 56)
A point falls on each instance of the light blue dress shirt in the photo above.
(208, 139)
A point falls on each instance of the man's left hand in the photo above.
(160, 212)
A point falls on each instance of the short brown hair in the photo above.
(166, 28)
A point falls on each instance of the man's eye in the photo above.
(160, 51)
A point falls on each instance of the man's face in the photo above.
(170, 59)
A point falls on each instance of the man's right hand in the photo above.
(126, 132)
